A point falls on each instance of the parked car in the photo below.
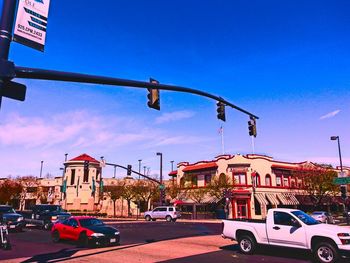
(45, 215)
(323, 217)
(12, 219)
(290, 228)
(169, 213)
(86, 231)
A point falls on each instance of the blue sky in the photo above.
(286, 61)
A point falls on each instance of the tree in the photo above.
(128, 195)
(198, 194)
(219, 184)
(173, 190)
(9, 191)
(114, 192)
(318, 182)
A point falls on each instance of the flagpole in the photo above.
(222, 140)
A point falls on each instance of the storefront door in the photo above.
(242, 208)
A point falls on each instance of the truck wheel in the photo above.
(168, 218)
(148, 218)
(55, 236)
(247, 244)
(325, 253)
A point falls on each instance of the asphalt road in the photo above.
(146, 242)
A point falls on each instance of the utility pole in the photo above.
(6, 26)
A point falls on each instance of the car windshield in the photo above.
(308, 220)
(7, 209)
(85, 222)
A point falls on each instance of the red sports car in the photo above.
(86, 230)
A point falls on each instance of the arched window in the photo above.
(268, 180)
(257, 180)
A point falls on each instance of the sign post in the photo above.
(31, 23)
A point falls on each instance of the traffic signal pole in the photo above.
(34, 73)
(6, 26)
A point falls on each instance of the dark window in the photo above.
(207, 179)
(72, 222)
(156, 209)
(97, 174)
(257, 207)
(162, 209)
(90, 222)
(268, 180)
(171, 209)
(72, 178)
(86, 176)
(281, 218)
(278, 180)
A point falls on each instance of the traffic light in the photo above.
(252, 126)
(153, 96)
(221, 111)
(343, 191)
(128, 172)
(86, 165)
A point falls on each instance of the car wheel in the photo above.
(148, 218)
(56, 236)
(174, 219)
(83, 240)
(247, 244)
(325, 253)
(47, 226)
(168, 218)
(153, 219)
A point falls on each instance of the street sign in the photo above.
(161, 186)
(341, 180)
(31, 23)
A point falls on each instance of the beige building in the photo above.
(260, 182)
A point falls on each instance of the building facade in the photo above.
(258, 182)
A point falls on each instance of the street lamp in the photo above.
(343, 188)
(41, 168)
(161, 177)
(139, 167)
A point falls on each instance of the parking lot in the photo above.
(145, 242)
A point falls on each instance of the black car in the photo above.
(13, 220)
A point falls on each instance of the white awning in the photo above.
(292, 198)
(287, 199)
(261, 199)
(272, 199)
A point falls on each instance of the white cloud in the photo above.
(174, 116)
(329, 115)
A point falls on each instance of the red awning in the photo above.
(173, 173)
(197, 167)
(284, 167)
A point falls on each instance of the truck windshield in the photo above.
(308, 220)
(51, 208)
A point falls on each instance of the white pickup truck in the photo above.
(290, 228)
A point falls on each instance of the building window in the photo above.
(194, 180)
(256, 180)
(278, 180)
(268, 180)
(240, 179)
(86, 176)
(207, 179)
(257, 207)
(97, 174)
(285, 181)
(72, 177)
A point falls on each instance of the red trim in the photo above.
(173, 173)
(233, 203)
(198, 167)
